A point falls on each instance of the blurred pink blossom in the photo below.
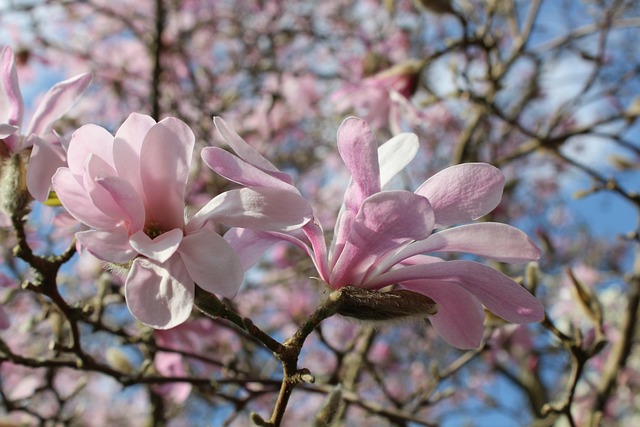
(48, 152)
(129, 189)
(380, 237)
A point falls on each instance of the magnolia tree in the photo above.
(323, 213)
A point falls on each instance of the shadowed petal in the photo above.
(385, 221)
(211, 262)
(45, 160)
(111, 245)
(496, 291)
(159, 295)
(86, 141)
(125, 197)
(463, 192)
(159, 249)
(77, 202)
(259, 208)
(11, 103)
(460, 317)
(165, 158)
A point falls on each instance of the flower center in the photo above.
(153, 230)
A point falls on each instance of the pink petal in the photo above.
(127, 146)
(359, 152)
(57, 101)
(160, 295)
(395, 154)
(164, 167)
(159, 249)
(385, 221)
(460, 317)
(45, 160)
(11, 104)
(496, 291)
(236, 170)
(6, 130)
(463, 192)
(211, 262)
(247, 152)
(259, 208)
(250, 245)
(500, 242)
(86, 141)
(76, 201)
(124, 196)
(109, 245)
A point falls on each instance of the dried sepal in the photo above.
(376, 306)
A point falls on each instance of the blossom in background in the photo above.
(373, 95)
(129, 190)
(381, 238)
(48, 151)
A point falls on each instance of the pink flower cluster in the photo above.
(382, 238)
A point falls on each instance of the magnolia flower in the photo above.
(381, 238)
(48, 153)
(129, 189)
(377, 95)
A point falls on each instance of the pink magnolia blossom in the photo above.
(129, 189)
(381, 238)
(48, 152)
(377, 96)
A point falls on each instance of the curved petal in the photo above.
(395, 154)
(358, 149)
(211, 262)
(385, 221)
(236, 170)
(247, 152)
(127, 199)
(463, 192)
(500, 242)
(250, 245)
(86, 141)
(6, 130)
(160, 295)
(77, 202)
(127, 146)
(460, 317)
(56, 102)
(260, 208)
(496, 291)
(159, 249)
(11, 103)
(165, 158)
(45, 160)
(110, 245)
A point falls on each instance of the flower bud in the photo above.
(376, 306)
(14, 195)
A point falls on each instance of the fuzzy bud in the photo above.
(14, 195)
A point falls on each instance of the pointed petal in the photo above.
(500, 242)
(259, 208)
(463, 192)
(234, 169)
(496, 291)
(127, 146)
(460, 317)
(159, 249)
(45, 159)
(211, 262)
(159, 295)
(11, 104)
(386, 220)
(57, 101)
(77, 202)
(164, 168)
(110, 245)
(247, 152)
(359, 152)
(395, 154)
